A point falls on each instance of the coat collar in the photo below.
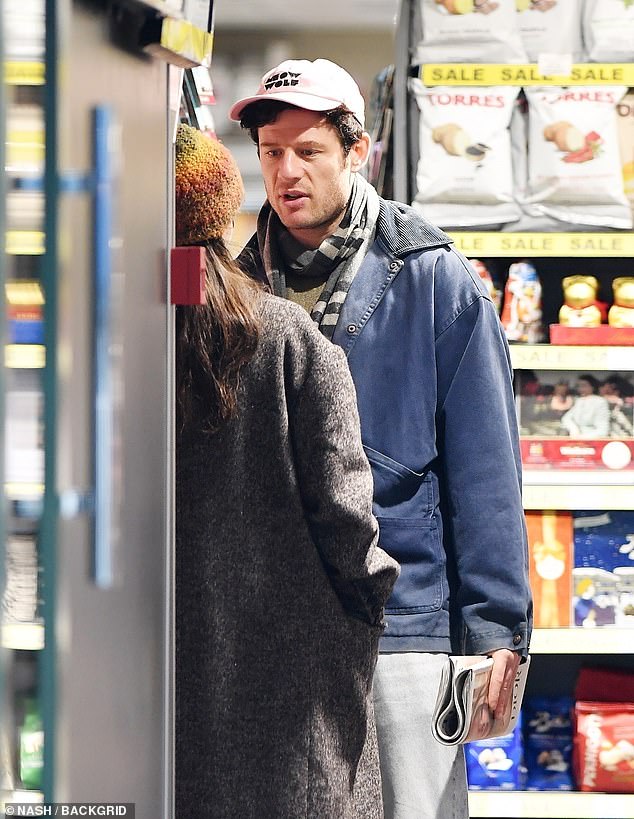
(401, 229)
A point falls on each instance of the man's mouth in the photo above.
(291, 196)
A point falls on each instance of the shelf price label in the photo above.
(544, 244)
(17, 72)
(562, 357)
(575, 496)
(24, 242)
(528, 74)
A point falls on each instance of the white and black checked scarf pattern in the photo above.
(334, 257)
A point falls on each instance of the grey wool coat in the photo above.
(280, 587)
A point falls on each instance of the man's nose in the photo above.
(290, 166)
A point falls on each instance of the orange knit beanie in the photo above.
(209, 187)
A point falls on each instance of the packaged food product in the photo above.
(550, 27)
(603, 684)
(496, 764)
(548, 743)
(522, 307)
(621, 314)
(604, 746)
(625, 115)
(464, 174)
(485, 274)
(31, 746)
(574, 165)
(470, 31)
(550, 542)
(580, 296)
(608, 31)
(603, 546)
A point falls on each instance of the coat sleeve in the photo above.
(478, 444)
(335, 482)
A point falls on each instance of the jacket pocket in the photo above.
(399, 492)
(417, 546)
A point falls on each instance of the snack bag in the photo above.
(625, 115)
(574, 166)
(464, 175)
(608, 31)
(548, 743)
(470, 31)
(496, 764)
(550, 27)
(604, 747)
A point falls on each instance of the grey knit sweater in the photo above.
(280, 586)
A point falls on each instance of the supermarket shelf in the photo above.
(568, 495)
(582, 641)
(23, 636)
(526, 74)
(550, 804)
(544, 244)
(569, 357)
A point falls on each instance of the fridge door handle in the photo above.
(102, 399)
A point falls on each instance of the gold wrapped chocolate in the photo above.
(621, 314)
(579, 308)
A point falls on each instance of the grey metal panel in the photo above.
(112, 643)
(400, 127)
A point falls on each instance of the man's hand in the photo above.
(505, 663)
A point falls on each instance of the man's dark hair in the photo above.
(264, 112)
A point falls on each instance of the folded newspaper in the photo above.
(462, 713)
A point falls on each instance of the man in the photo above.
(433, 378)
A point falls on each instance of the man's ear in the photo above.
(360, 152)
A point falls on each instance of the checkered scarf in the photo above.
(335, 256)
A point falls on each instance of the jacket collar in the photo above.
(401, 229)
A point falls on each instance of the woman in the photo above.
(280, 583)
(589, 416)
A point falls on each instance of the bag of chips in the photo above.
(464, 175)
(469, 31)
(608, 31)
(604, 747)
(574, 165)
(550, 27)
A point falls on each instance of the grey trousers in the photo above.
(422, 779)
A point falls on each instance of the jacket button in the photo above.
(517, 639)
(351, 328)
(396, 265)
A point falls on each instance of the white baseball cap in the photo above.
(316, 86)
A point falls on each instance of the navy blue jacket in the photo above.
(431, 367)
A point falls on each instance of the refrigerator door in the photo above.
(108, 644)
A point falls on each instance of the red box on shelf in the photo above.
(603, 335)
(575, 420)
